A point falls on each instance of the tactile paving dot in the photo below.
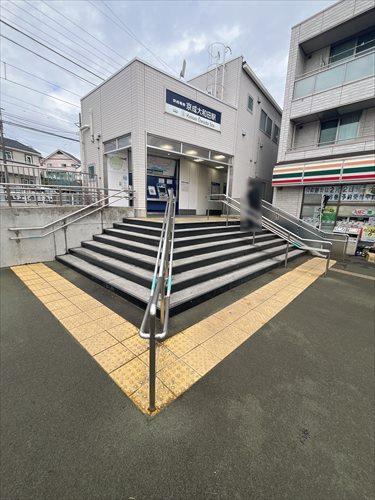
(123, 331)
(201, 360)
(131, 376)
(98, 342)
(163, 357)
(136, 344)
(114, 357)
(180, 344)
(86, 331)
(163, 396)
(178, 376)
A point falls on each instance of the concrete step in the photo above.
(134, 246)
(180, 300)
(128, 289)
(217, 236)
(218, 255)
(211, 271)
(134, 236)
(180, 225)
(193, 295)
(211, 246)
(137, 228)
(131, 257)
(125, 270)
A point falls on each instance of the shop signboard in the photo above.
(186, 108)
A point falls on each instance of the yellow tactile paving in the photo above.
(181, 360)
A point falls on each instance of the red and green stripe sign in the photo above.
(337, 171)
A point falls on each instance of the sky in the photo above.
(101, 36)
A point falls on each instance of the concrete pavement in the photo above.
(287, 415)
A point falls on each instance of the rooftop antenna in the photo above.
(183, 70)
(216, 69)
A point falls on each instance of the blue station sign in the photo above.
(193, 111)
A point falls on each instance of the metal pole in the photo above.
(286, 253)
(65, 237)
(253, 237)
(227, 214)
(327, 264)
(152, 365)
(6, 173)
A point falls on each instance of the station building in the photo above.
(327, 138)
(147, 129)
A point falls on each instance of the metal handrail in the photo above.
(303, 224)
(160, 291)
(280, 231)
(34, 228)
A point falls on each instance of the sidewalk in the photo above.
(287, 415)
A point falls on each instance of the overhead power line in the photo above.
(39, 92)
(11, 116)
(38, 130)
(49, 60)
(87, 32)
(121, 24)
(40, 78)
(55, 30)
(52, 50)
(33, 105)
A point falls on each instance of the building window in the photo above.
(250, 103)
(63, 164)
(339, 129)
(268, 126)
(28, 159)
(91, 171)
(8, 155)
(352, 47)
(276, 133)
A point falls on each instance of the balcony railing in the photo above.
(328, 77)
(366, 142)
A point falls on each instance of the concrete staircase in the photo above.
(209, 258)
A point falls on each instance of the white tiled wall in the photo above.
(288, 199)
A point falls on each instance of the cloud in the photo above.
(174, 30)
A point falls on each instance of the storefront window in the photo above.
(352, 204)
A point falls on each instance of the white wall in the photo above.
(15, 252)
(288, 199)
(195, 186)
(255, 152)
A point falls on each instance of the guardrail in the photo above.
(160, 293)
(100, 204)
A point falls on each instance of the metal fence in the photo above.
(20, 173)
(13, 195)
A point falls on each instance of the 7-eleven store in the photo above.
(348, 181)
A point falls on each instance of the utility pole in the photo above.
(6, 174)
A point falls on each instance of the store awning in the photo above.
(337, 171)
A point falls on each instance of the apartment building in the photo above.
(61, 167)
(22, 163)
(147, 129)
(327, 137)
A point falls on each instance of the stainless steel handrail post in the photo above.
(327, 263)
(152, 364)
(286, 254)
